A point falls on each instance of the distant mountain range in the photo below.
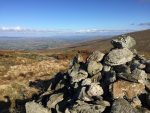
(42, 43)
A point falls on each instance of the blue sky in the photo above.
(49, 17)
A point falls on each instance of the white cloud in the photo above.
(20, 30)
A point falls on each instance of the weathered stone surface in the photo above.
(124, 42)
(82, 107)
(118, 57)
(97, 77)
(106, 68)
(54, 99)
(137, 75)
(95, 90)
(136, 102)
(110, 76)
(122, 106)
(123, 88)
(95, 56)
(33, 107)
(77, 76)
(122, 69)
(82, 95)
(86, 81)
(94, 67)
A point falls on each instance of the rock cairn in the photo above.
(115, 82)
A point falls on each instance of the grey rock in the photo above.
(97, 77)
(123, 106)
(106, 68)
(33, 107)
(122, 69)
(95, 90)
(118, 57)
(94, 67)
(110, 76)
(102, 102)
(86, 81)
(77, 59)
(83, 107)
(95, 56)
(54, 99)
(137, 64)
(82, 95)
(77, 76)
(124, 42)
(143, 110)
(137, 75)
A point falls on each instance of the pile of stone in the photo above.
(116, 82)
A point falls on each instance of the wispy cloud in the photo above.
(144, 24)
(53, 32)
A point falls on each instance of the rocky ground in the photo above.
(115, 82)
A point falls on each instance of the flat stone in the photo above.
(95, 90)
(96, 56)
(33, 107)
(123, 42)
(137, 75)
(83, 107)
(118, 57)
(54, 99)
(123, 106)
(123, 88)
(94, 67)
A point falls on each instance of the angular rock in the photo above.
(77, 59)
(95, 90)
(54, 99)
(82, 107)
(137, 75)
(136, 102)
(94, 67)
(33, 107)
(124, 42)
(86, 81)
(122, 106)
(110, 76)
(106, 68)
(122, 69)
(82, 95)
(118, 57)
(123, 88)
(77, 76)
(97, 77)
(95, 56)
